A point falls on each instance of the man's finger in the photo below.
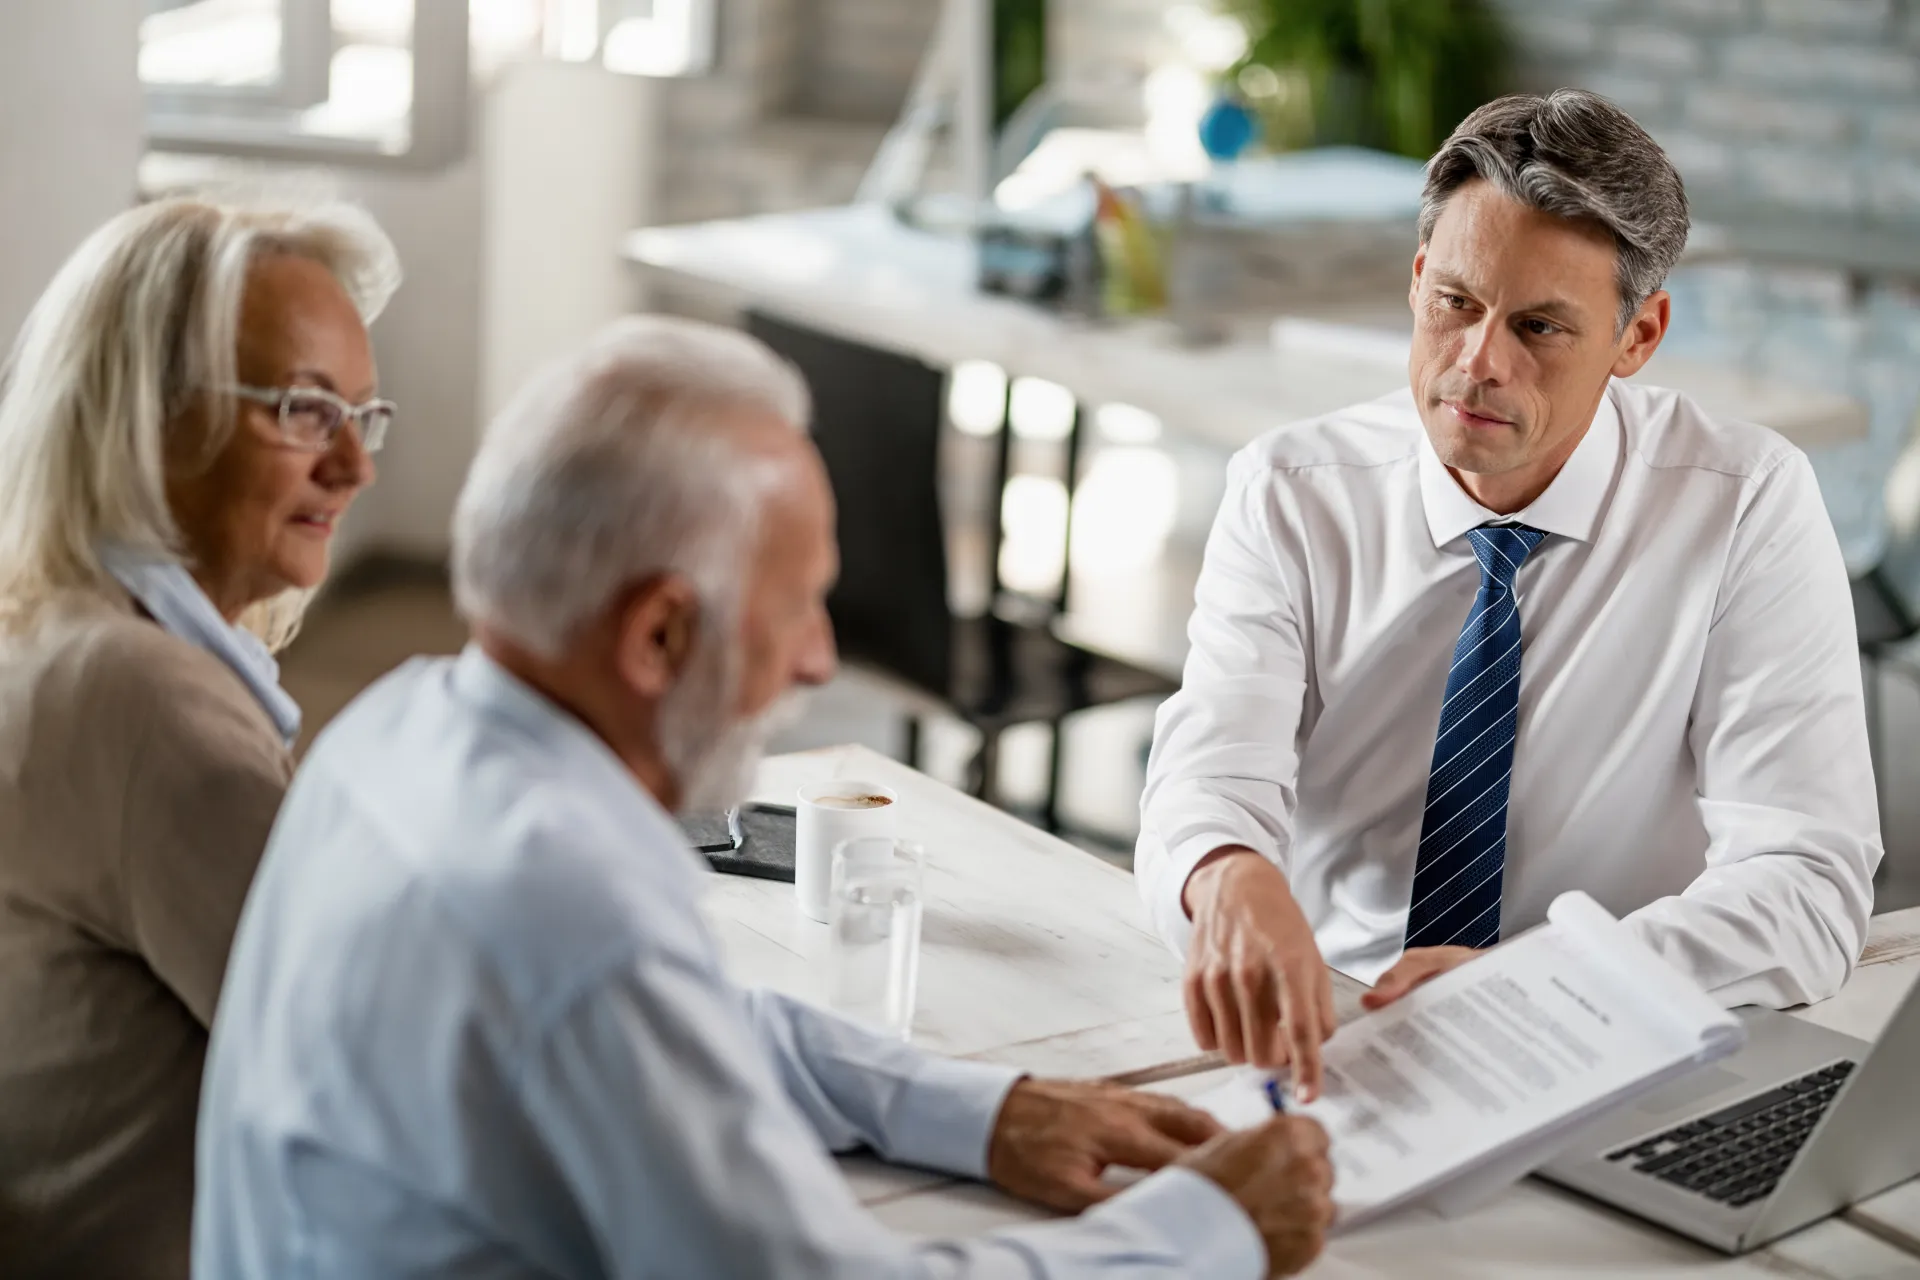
(1078, 1190)
(1278, 1054)
(1275, 1040)
(1383, 992)
(1200, 1014)
(1393, 984)
(1141, 1147)
(1181, 1122)
(1303, 1036)
(1329, 1019)
(1405, 975)
(1307, 1135)
(1226, 1015)
(1255, 991)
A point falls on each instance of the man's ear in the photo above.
(655, 631)
(1643, 334)
(1419, 267)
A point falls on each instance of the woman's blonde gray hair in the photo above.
(140, 321)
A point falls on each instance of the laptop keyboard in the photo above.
(1738, 1154)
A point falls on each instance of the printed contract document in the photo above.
(1475, 1078)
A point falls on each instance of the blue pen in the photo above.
(1274, 1097)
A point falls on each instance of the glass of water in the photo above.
(874, 913)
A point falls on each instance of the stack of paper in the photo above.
(1483, 1074)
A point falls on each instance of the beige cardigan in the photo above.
(138, 781)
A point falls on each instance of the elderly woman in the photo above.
(187, 414)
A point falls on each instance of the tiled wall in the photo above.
(1804, 114)
(1824, 328)
(1793, 105)
(1100, 52)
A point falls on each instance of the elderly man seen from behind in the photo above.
(474, 1021)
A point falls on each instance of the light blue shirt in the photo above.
(173, 599)
(474, 1026)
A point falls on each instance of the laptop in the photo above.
(1801, 1122)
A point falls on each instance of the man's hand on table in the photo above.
(1257, 989)
(1415, 966)
(1279, 1174)
(1054, 1138)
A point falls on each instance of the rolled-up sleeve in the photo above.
(1785, 786)
(1225, 755)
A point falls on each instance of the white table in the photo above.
(1033, 952)
(1036, 954)
(1887, 971)
(1534, 1229)
(858, 273)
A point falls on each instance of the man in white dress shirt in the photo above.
(1522, 628)
(474, 1023)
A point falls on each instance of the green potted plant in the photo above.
(1395, 75)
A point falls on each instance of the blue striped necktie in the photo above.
(1463, 832)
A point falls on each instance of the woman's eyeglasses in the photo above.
(312, 417)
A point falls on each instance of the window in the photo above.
(381, 82)
(637, 37)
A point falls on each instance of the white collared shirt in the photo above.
(173, 599)
(1691, 745)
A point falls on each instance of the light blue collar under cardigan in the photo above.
(168, 592)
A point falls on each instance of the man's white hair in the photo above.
(141, 319)
(616, 465)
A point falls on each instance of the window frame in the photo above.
(702, 21)
(262, 121)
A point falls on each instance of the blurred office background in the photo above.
(511, 147)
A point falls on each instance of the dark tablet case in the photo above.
(767, 851)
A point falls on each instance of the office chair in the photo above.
(877, 419)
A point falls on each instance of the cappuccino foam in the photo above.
(853, 802)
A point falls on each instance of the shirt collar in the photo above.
(1571, 506)
(562, 737)
(173, 599)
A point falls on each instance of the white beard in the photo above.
(714, 759)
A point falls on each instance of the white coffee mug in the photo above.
(827, 813)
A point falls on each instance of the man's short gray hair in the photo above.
(613, 466)
(1575, 155)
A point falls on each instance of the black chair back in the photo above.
(876, 420)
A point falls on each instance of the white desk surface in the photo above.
(1036, 954)
(1033, 952)
(1886, 972)
(859, 273)
(1532, 1229)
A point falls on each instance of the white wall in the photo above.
(70, 135)
(569, 159)
(428, 347)
(510, 256)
